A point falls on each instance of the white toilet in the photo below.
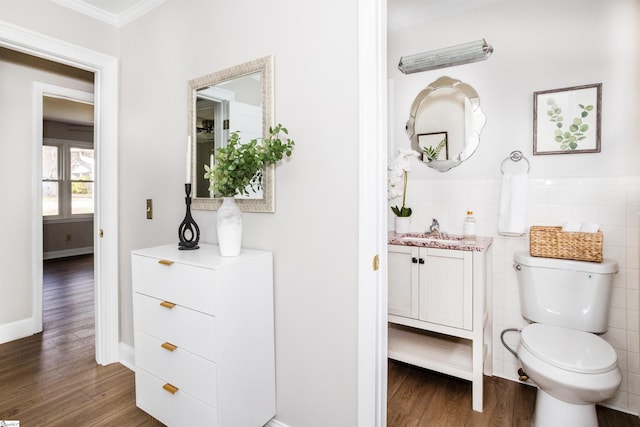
(567, 303)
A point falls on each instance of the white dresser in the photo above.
(204, 340)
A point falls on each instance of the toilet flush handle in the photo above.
(517, 267)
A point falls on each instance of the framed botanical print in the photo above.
(567, 121)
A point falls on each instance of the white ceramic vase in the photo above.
(403, 223)
(229, 226)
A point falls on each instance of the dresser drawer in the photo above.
(174, 410)
(186, 285)
(188, 329)
(185, 370)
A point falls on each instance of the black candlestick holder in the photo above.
(188, 232)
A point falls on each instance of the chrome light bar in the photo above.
(446, 57)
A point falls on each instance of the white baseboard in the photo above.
(127, 356)
(16, 330)
(275, 423)
(67, 253)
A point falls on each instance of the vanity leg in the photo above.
(476, 388)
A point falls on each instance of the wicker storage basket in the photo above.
(552, 242)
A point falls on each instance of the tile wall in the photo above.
(613, 202)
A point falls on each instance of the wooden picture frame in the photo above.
(567, 120)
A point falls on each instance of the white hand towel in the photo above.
(512, 220)
(571, 226)
(589, 227)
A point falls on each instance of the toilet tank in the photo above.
(566, 293)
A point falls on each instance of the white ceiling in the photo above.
(114, 12)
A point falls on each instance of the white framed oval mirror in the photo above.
(445, 123)
(236, 99)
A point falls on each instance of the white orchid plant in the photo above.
(398, 174)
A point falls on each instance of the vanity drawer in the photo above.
(182, 284)
(189, 329)
(187, 371)
(178, 409)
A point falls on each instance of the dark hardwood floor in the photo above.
(52, 378)
(418, 397)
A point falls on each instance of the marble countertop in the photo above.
(480, 243)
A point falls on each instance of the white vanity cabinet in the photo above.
(204, 339)
(432, 285)
(439, 309)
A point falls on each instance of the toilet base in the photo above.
(551, 412)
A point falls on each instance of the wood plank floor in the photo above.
(52, 378)
(417, 397)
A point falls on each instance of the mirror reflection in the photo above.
(237, 99)
(445, 123)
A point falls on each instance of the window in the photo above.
(67, 179)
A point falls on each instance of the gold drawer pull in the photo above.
(170, 388)
(165, 262)
(169, 346)
(167, 304)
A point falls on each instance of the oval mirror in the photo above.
(445, 123)
(239, 99)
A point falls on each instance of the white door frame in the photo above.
(372, 228)
(105, 69)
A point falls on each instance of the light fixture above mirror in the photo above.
(446, 57)
(238, 98)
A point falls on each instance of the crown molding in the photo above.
(137, 10)
(118, 20)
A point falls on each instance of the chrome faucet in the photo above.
(435, 228)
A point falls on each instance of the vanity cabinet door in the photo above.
(446, 289)
(403, 280)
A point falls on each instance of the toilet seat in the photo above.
(569, 349)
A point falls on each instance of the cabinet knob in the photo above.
(414, 260)
(421, 260)
(170, 388)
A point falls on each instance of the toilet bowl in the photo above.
(573, 371)
(567, 304)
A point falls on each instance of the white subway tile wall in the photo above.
(612, 202)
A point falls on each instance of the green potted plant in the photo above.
(238, 169)
(398, 176)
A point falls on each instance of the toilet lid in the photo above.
(569, 349)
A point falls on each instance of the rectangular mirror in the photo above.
(239, 99)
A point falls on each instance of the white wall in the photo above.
(313, 232)
(538, 45)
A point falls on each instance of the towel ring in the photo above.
(515, 156)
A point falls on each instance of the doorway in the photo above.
(105, 69)
(67, 190)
